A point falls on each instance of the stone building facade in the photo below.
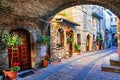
(91, 20)
(62, 36)
(28, 27)
(111, 29)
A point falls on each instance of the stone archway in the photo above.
(23, 54)
(43, 11)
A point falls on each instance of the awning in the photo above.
(67, 22)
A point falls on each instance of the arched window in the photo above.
(60, 38)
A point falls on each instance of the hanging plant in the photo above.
(70, 39)
(44, 40)
(77, 47)
(99, 36)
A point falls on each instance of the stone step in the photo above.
(108, 68)
(115, 61)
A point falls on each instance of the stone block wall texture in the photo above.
(3, 60)
(61, 51)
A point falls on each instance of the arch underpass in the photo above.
(40, 12)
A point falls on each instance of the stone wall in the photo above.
(48, 8)
(30, 25)
(59, 51)
(3, 60)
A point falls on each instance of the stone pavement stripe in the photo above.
(53, 70)
(50, 72)
(55, 75)
(83, 73)
(97, 74)
(82, 56)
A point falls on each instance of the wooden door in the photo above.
(23, 53)
(88, 43)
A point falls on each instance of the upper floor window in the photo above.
(111, 19)
(85, 21)
(115, 18)
(60, 38)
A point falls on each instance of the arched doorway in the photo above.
(23, 53)
(88, 43)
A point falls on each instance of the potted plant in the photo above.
(99, 40)
(77, 47)
(99, 36)
(12, 40)
(46, 60)
(70, 39)
(11, 73)
(44, 39)
(44, 42)
(70, 54)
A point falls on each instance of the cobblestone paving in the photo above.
(80, 67)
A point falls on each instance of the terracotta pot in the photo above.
(97, 47)
(45, 63)
(70, 55)
(8, 75)
(78, 53)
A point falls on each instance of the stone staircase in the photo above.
(112, 66)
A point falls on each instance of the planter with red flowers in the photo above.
(46, 60)
(11, 74)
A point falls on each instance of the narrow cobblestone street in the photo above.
(83, 67)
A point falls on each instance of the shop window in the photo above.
(60, 38)
(85, 21)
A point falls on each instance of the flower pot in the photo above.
(97, 47)
(45, 63)
(8, 75)
(70, 54)
(78, 53)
